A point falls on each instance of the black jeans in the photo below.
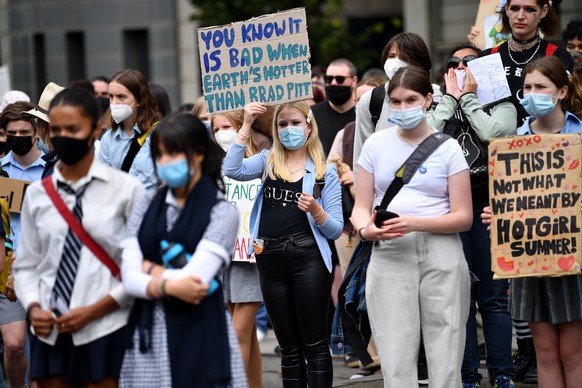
(296, 286)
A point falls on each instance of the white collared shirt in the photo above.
(106, 205)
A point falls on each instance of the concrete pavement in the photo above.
(341, 374)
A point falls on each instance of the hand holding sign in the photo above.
(489, 74)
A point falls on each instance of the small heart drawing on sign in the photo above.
(492, 162)
(554, 211)
(494, 152)
(521, 214)
(574, 187)
(515, 170)
(566, 262)
(530, 263)
(505, 265)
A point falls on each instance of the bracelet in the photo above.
(163, 288)
(150, 268)
(360, 233)
(243, 137)
(154, 288)
(317, 217)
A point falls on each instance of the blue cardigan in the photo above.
(236, 167)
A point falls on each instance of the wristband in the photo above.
(317, 217)
(360, 233)
(150, 268)
(163, 288)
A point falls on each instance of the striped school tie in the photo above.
(61, 295)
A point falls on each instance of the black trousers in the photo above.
(296, 286)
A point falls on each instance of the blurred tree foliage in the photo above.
(329, 35)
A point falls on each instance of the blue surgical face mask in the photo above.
(175, 174)
(407, 118)
(292, 137)
(538, 104)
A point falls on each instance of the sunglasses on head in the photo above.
(454, 62)
(339, 78)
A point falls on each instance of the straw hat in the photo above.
(41, 110)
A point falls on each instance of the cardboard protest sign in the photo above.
(242, 195)
(534, 186)
(489, 24)
(264, 59)
(489, 74)
(12, 190)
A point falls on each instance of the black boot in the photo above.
(524, 358)
(531, 377)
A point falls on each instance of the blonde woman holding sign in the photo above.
(297, 209)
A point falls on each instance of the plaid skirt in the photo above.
(547, 299)
(152, 369)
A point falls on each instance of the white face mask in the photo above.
(461, 77)
(392, 65)
(225, 138)
(120, 112)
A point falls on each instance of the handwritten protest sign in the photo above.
(535, 202)
(242, 195)
(265, 59)
(13, 190)
(491, 80)
(489, 24)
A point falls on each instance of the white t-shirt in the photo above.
(427, 194)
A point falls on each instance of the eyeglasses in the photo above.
(454, 62)
(339, 78)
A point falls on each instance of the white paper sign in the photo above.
(492, 83)
(242, 195)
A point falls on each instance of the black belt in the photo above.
(300, 240)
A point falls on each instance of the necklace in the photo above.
(527, 60)
(294, 171)
(525, 41)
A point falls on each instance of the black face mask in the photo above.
(71, 150)
(3, 148)
(338, 94)
(20, 145)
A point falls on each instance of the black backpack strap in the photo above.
(376, 102)
(136, 143)
(411, 165)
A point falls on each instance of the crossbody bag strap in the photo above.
(78, 229)
(136, 143)
(405, 173)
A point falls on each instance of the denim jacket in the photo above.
(356, 310)
(236, 167)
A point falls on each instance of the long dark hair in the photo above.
(80, 98)
(147, 112)
(183, 132)
(411, 49)
(549, 25)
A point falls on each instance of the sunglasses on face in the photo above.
(454, 62)
(339, 78)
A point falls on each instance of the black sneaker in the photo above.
(531, 377)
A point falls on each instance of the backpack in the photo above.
(5, 210)
(376, 102)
